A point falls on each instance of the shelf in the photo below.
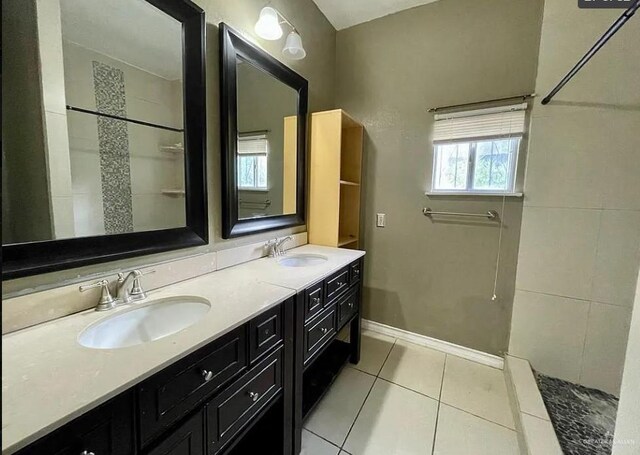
(321, 374)
(348, 183)
(170, 192)
(347, 240)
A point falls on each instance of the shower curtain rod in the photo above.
(495, 100)
(617, 25)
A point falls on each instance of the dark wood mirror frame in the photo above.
(24, 259)
(232, 46)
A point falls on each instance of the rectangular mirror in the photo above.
(264, 108)
(103, 131)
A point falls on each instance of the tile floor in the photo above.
(408, 399)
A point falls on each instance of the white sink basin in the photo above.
(150, 322)
(302, 260)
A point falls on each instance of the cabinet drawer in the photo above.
(173, 393)
(265, 331)
(230, 411)
(187, 439)
(337, 283)
(318, 332)
(106, 429)
(347, 307)
(313, 300)
(355, 271)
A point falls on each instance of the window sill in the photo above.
(472, 194)
(254, 190)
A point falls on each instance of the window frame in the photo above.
(255, 136)
(471, 165)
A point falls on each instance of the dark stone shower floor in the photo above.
(584, 418)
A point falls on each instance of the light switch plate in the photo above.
(381, 219)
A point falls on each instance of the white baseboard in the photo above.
(449, 348)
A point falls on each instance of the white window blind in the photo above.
(492, 122)
(253, 144)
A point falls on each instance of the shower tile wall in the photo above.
(580, 240)
(148, 97)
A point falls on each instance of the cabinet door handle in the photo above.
(207, 375)
(324, 330)
(350, 304)
(86, 452)
(340, 283)
(254, 396)
(316, 300)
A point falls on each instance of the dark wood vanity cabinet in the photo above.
(107, 429)
(246, 392)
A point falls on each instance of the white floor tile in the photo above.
(373, 352)
(313, 445)
(335, 414)
(394, 420)
(477, 389)
(460, 433)
(416, 367)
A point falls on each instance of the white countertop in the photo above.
(299, 278)
(48, 379)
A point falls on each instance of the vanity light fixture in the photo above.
(269, 27)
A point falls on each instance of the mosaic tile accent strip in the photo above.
(113, 144)
(584, 418)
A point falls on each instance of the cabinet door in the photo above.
(106, 430)
(187, 439)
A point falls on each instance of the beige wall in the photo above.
(580, 241)
(318, 68)
(627, 434)
(434, 278)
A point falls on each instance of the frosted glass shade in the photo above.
(268, 25)
(293, 47)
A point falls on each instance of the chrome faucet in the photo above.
(275, 246)
(128, 289)
(280, 250)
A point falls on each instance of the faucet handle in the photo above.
(106, 300)
(272, 247)
(137, 293)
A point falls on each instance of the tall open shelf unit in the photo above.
(335, 179)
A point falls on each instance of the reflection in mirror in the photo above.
(94, 144)
(267, 143)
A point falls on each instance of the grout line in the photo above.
(435, 428)
(409, 389)
(480, 417)
(444, 368)
(323, 438)
(367, 397)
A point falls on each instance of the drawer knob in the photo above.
(316, 300)
(357, 271)
(340, 283)
(324, 330)
(86, 452)
(254, 396)
(207, 375)
(350, 304)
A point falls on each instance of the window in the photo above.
(253, 149)
(477, 151)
